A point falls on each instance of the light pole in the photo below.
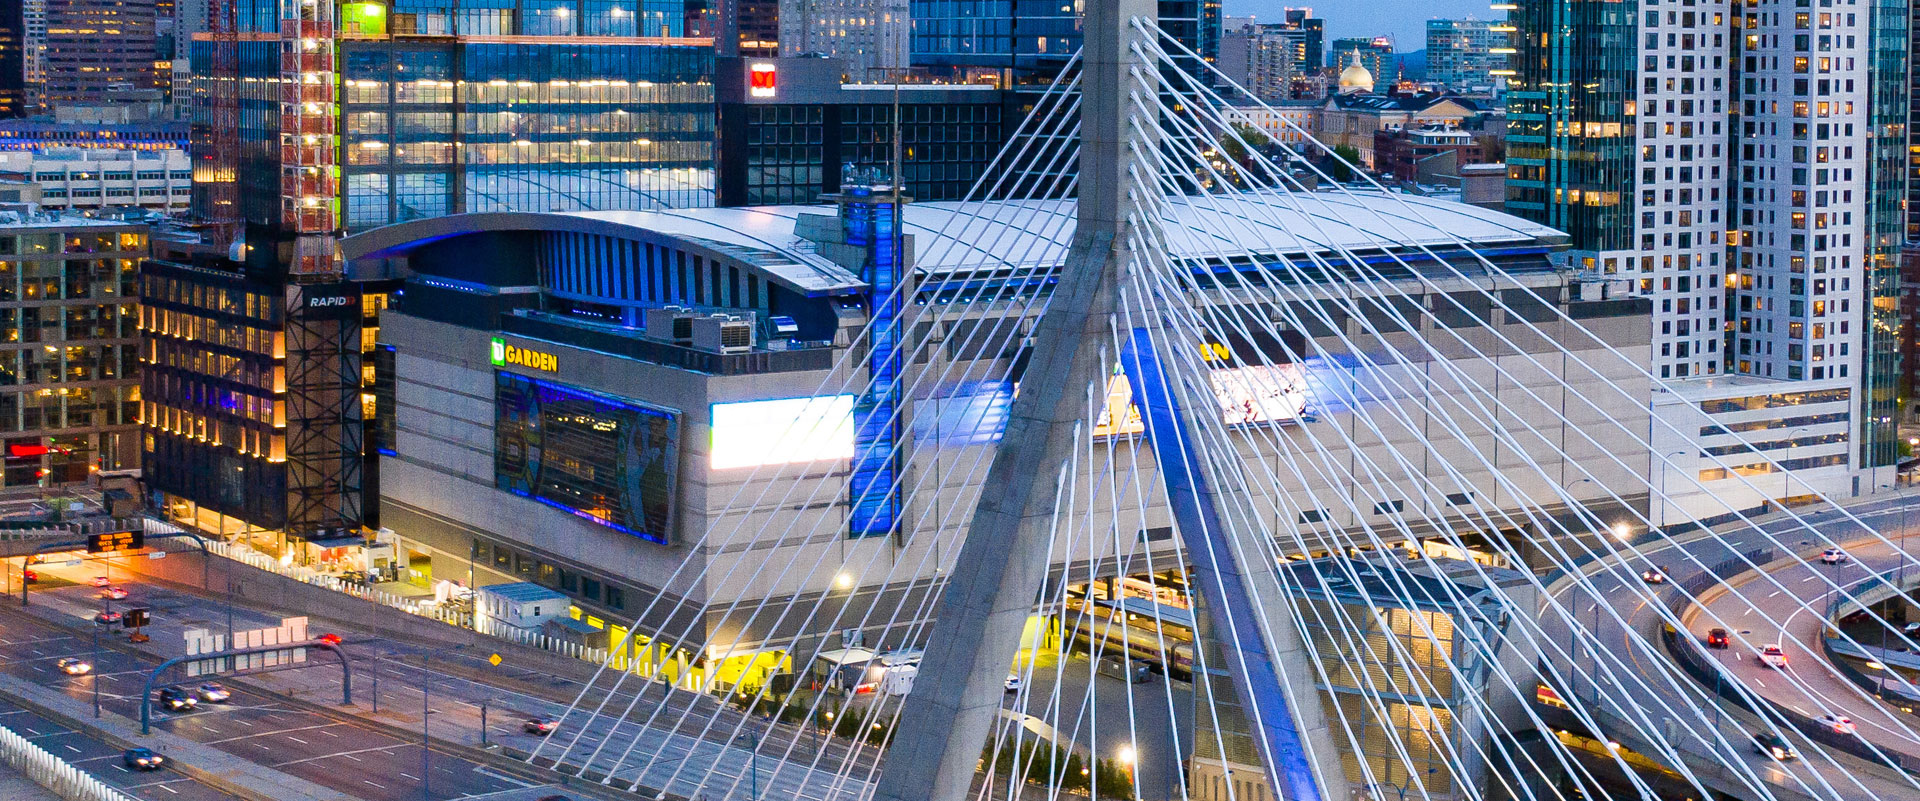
(1788, 489)
(96, 669)
(426, 740)
(753, 763)
(1666, 466)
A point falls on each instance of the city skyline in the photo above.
(1347, 19)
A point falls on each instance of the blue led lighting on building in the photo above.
(871, 221)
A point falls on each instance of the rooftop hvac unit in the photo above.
(782, 328)
(670, 324)
(722, 334)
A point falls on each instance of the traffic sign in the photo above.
(494, 660)
(116, 541)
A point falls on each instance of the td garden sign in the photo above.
(505, 355)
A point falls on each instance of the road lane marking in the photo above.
(298, 740)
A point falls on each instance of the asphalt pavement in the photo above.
(96, 757)
(1808, 684)
(336, 751)
(1654, 693)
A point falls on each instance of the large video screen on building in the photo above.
(610, 460)
(784, 431)
(1253, 378)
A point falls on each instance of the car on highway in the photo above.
(1717, 638)
(114, 593)
(1773, 747)
(1014, 682)
(101, 581)
(1653, 575)
(30, 576)
(540, 726)
(330, 639)
(105, 618)
(1772, 656)
(1911, 629)
(74, 666)
(174, 699)
(1834, 556)
(143, 759)
(213, 693)
(1838, 724)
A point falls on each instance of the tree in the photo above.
(1345, 159)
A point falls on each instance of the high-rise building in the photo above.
(608, 109)
(1266, 58)
(1737, 174)
(100, 49)
(1464, 54)
(344, 116)
(749, 28)
(869, 35)
(1376, 54)
(13, 58)
(1302, 19)
(789, 131)
(69, 383)
(1027, 42)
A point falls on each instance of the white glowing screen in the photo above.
(786, 431)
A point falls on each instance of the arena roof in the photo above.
(975, 235)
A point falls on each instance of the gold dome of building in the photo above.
(1355, 78)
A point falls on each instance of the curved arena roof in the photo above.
(993, 235)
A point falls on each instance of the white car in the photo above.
(1839, 724)
(1014, 682)
(75, 667)
(1834, 556)
(1772, 656)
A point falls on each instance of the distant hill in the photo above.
(1414, 63)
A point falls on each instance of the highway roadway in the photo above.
(1656, 683)
(386, 767)
(334, 750)
(97, 757)
(1808, 684)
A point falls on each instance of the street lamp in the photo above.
(753, 763)
(1127, 757)
(1788, 489)
(1666, 466)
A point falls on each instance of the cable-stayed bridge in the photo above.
(1353, 432)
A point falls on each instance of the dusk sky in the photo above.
(1404, 20)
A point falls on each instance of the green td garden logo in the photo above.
(505, 355)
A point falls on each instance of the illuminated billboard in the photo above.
(607, 459)
(784, 431)
(1246, 390)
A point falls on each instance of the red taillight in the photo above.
(865, 688)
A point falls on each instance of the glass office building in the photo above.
(69, 383)
(435, 129)
(1029, 40)
(1574, 95)
(534, 106)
